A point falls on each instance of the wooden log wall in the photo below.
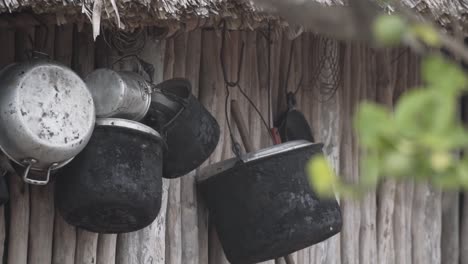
(398, 223)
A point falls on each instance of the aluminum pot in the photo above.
(262, 205)
(119, 94)
(114, 185)
(47, 116)
(191, 132)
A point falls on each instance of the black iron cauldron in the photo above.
(191, 132)
(114, 185)
(262, 205)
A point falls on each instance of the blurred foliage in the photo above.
(420, 138)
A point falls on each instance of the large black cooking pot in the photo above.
(191, 132)
(262, 205)
(114, 185)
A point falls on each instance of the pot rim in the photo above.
(129, 124)
(216, 168)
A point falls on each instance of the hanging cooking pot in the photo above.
(292, 124)
(191, 132)
(47, 116)
(262, 205)
(114, 185)
(121, 94)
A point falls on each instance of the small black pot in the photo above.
(191, 132)
(292, 124)
(262, 205)
(114, 185)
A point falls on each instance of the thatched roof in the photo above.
(192, 13)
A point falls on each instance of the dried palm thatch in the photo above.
(129, 14)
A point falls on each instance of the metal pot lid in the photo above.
(110, 90)
(46, 111)
(274, 150)
(128, 124)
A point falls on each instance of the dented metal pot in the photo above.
(262, 205)
(119, 94)
(47, 116)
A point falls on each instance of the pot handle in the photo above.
(30, 162)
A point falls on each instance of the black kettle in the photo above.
(191, 132)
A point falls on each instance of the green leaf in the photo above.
(441, 161)
(322, 179)
(370, 169)
(374, 125)
(389, 30)
(462, 173)
(427, 34)
(414, 112)
(448, 180)
(443, 74)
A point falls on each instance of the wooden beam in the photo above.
(148, 244)
(64, 234)
(19, 191)
(83, 64)
(7, 56)
(42, 197)
(188, 200)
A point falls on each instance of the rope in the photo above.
(126, 42)
(236, 149)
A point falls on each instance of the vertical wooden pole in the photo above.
(464, 198)
(451, 224)
(188, 199)
(350, 209)
(42, 197)
(194, 212)
(19, 191)
(386, 197)
(325, 121)
(7, 56)
(148, 244)
(450, 253)
(407, 78)
(426, 222)
(368, 230)
(173, 220)
(212, 92)
(64, 242)
(83, 64)
(426, 225)
(106, 249)
(106, 243)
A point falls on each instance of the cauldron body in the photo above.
(191, 132)
(115, 184)
(264, 208)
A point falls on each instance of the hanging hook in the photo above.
(223, 64)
